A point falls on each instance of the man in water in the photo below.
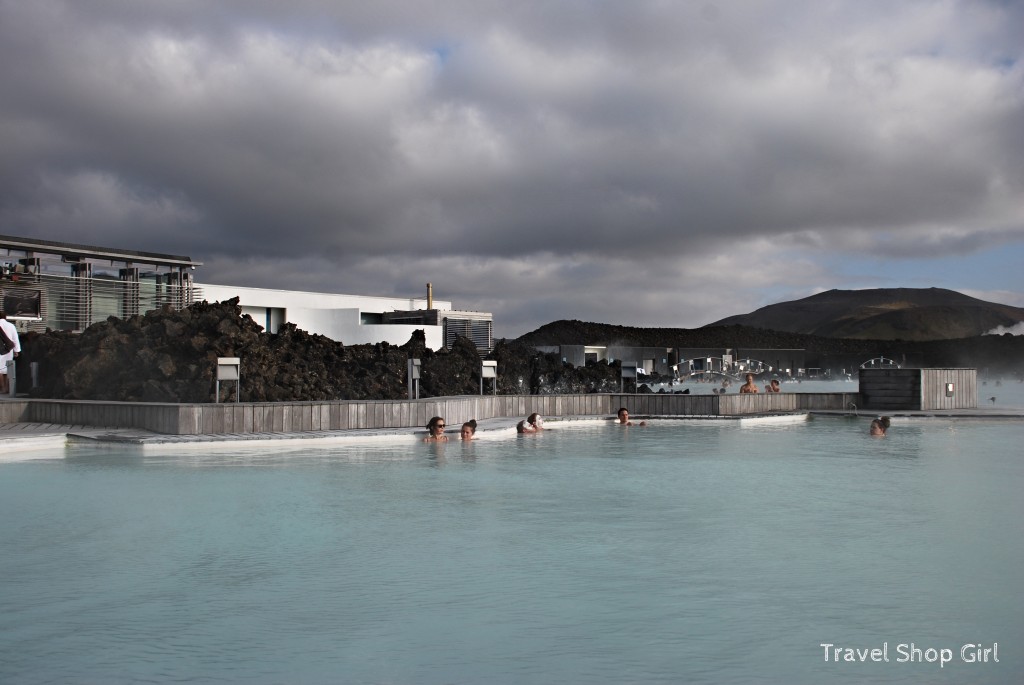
(623, 416)
(749, 387)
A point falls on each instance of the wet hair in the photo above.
(621, 409)
(882, 423)
(471, 424)
(532, 418)
(521, 427)
(432, 424)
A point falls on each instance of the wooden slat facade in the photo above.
(963, 393)
(919, 389)
(889, 389)
(291, 417)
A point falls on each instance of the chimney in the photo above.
(430, 296)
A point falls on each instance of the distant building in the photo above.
(478, 327)
(683, 361)
(359, 319)
(786, 363)
(64, 286)
(648, 359)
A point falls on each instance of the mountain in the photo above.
(883, 314)
(566, 332)
(990, 354)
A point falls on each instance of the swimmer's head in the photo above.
(435, 426)
(880, 425)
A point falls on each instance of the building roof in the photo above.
(72, 250)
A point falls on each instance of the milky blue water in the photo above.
(993, 393)
(687, 551)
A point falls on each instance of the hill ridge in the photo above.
(883, 314)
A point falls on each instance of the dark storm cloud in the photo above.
(545, 159)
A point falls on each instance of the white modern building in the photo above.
(64, 286)
(359, 319)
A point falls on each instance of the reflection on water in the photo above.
(687, 551)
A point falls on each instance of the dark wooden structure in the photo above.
(919, 389)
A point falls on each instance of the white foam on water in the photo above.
(773, 420)
(32, 448)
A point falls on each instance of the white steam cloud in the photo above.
(1016, 329)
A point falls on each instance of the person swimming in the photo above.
(468, 430)
(879, 426)
(531, 424)
(435, 430)
(623, 418)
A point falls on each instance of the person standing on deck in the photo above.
(12, 333)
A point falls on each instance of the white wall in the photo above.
(265, 297)
(335, 316)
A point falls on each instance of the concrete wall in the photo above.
(267, 297)
(344, 325)
(336, 316)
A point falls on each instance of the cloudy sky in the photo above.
(649, 162)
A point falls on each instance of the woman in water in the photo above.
(879, 426)
(468, 430)
(435, 430)
(532, 424)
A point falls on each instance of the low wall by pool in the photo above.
(288, 417)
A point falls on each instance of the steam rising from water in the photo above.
(1016, 329)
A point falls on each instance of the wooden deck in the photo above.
(297, 417)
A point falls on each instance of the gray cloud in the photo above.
(546, 160)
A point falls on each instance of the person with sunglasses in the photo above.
(435, 430)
